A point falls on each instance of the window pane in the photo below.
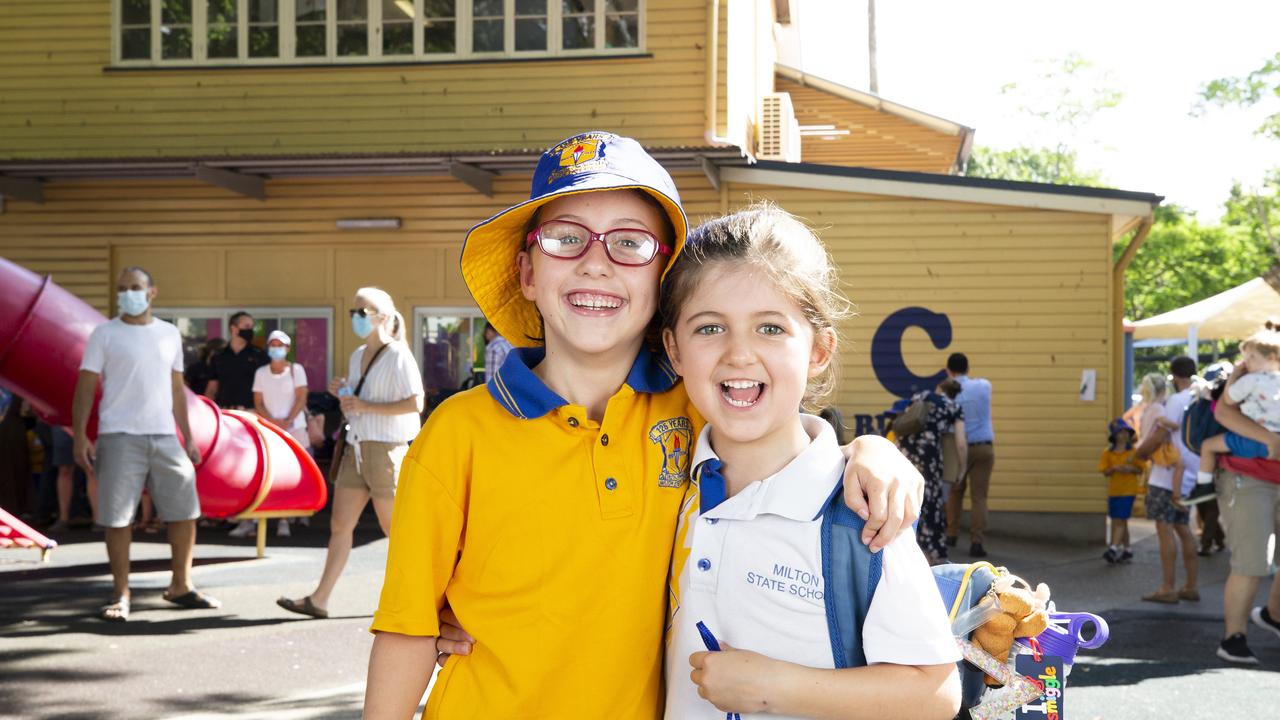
(222, 41)
(487, 36)
(353, 9)
(135, 12)
(311, 41)
(222, 11)
(577, 7)
(135, 44)
(176, 11)
(264, 41)
(175, 43)
(487, 8)
(531, 34)
(579, 32)
(353, 40)
(438, 8)
(622, 31)
(311, 10)
(531, 7)
(612, 6)
(438, 36)
(263, 11)
(397, 38)
(393, 10)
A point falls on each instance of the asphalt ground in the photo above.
(250, 659)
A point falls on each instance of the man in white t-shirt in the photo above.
(1165, 492)
(138, 358)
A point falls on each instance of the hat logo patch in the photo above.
(673, 436)
(578, 155)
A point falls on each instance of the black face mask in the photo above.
(246, 334)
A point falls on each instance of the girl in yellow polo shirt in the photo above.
(542, 507)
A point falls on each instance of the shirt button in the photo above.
(610, 484)
(712, 521)
(704, 564)
(573, 422)
(604, 439)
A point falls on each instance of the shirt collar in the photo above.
(799, 491)
(523, 394)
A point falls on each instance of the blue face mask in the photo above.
(277, 353)
(361, 325)
(132, 302)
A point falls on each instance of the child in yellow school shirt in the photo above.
(541, 508)
(1120, 464)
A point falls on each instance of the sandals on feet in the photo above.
(306, 607)
(117, 611)
(1166, 598)
(1191, 595)
(193, 600)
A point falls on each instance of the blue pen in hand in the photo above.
(714, 646)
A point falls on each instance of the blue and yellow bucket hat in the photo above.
(584, 163)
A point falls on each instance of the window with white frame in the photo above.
(252, 32)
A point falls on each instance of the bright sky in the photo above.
(951, 59)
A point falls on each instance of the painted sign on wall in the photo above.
(889, 365)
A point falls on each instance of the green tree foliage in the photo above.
(1183, 261)
(1257, 211)
(1258, 86)
(1045, 165)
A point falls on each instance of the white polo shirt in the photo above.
(753, 575)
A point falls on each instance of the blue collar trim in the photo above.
(711, 486)
(523, 394)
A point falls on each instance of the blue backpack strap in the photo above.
(850, 574)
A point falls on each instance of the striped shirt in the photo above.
(393, 377)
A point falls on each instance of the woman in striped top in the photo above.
(382, 417)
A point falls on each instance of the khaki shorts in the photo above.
(379, 467)
(1255, 515)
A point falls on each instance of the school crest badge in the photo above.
(674, 437)
(578, 154)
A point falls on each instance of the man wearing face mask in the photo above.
(139, 361)
(231, 380)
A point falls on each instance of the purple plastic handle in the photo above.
(1076, 623)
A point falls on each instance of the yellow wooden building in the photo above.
(274, 155)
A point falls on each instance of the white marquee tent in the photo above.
(1230, 315)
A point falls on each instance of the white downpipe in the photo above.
(713, 70)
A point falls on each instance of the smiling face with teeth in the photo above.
(590, 306)
(746, 351)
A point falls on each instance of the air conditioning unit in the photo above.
(778, 131)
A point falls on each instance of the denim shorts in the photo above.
(1243, 447)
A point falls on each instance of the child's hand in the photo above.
(733, 680)
(453, 640)
(1273, 447)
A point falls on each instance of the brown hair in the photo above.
(1264, 342)
(950, 387)
(768, 239)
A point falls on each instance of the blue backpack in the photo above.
(1198, 424)
(851, 572)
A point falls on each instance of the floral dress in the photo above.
(924, 449)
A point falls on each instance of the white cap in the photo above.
(280, 335)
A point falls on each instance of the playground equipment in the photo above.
(249, 468)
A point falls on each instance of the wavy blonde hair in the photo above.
(1153, 387)
(769, 240)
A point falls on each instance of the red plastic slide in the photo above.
(248, 467)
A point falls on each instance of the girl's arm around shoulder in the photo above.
(747, 682)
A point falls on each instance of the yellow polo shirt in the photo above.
(550, 536)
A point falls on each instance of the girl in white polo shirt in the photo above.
(749, 314)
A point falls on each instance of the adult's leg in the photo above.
(182, 543)
(118, 539)
(1168, 551)
(1237, 599)
(348, 503)
(65, 486)
(955, 501)
(1183, 531)
(382, 508)
(983, 460)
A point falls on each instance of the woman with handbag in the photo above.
(381, 398)
(938, 451)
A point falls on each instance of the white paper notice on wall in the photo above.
(1088, 385)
